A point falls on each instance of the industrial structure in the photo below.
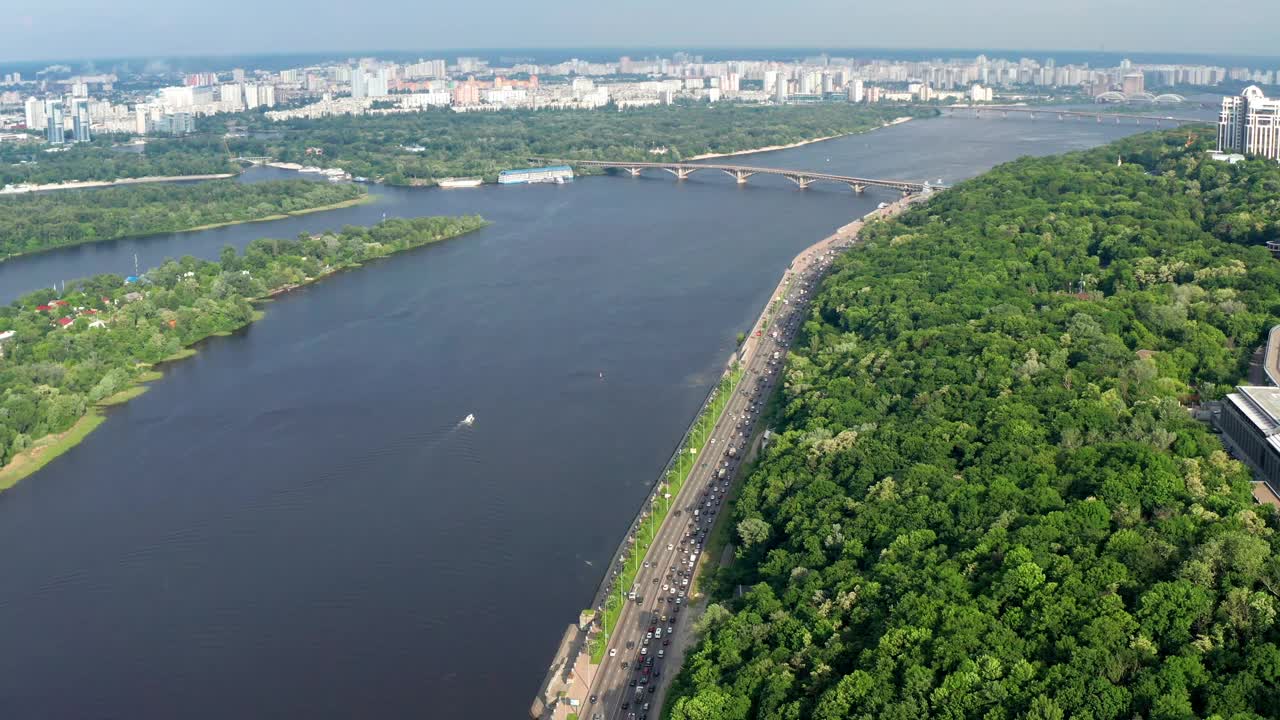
(1250, 422)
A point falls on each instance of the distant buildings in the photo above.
(34, 113)
(1250, 124)
(55, 131)
(978, 94)
(80, 121)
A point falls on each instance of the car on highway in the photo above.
(613, 652)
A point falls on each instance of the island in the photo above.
(65, 356)
(34, 222)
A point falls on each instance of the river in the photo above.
(294, 523)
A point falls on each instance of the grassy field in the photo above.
(44, 450)
(686, 461)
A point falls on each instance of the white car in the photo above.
(613, 652)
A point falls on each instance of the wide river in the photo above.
(294, 523)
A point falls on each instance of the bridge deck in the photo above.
(801, 177)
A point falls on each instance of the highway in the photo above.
(628, 678)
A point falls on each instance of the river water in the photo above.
(294, 523)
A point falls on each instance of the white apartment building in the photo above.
(1250, 124)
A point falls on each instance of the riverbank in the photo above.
(45, 449)
(581, 654)
(802, 143)
(365, 198)
(83, 184)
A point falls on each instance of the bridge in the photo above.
(1004, 110)
(256, 160)
(802, 178)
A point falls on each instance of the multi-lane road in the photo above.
(650, 626)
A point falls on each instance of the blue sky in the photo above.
(139, 28)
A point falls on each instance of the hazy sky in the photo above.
(113, 28)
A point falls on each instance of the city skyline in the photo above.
(143, 28)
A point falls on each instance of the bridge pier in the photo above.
(801, 181)
(739, 175)
(681, 173)
(858, 189)
(633, 171)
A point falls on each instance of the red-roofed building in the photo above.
(64, 321)
(90, 311)
(60, 303)
(43, 308)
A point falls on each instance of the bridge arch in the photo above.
(1111, 96)
(1170, 98)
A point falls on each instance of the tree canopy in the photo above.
(41, 221)
(987, 497)
(73, 349)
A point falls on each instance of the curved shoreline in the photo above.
(45, 449)
(802, 143)
(87, 184)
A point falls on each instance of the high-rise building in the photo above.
(780, 89)
(358, 87)
(1250, 124)
(142, 118)
(237, 75)
(855, 90)
(54, 130)
(34, 113)
(80, 121)
(1132, 84)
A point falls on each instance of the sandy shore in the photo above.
(802, 143)
(82, 184)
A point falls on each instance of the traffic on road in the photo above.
(631, 680)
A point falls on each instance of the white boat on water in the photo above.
(460, 182)
(469, 419)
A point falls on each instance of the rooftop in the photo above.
(1263, 493)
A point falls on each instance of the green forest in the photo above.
(32, 222)
(417, 148)
(986, 497)
(100, 160)
(484, 143)
(96, 338)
